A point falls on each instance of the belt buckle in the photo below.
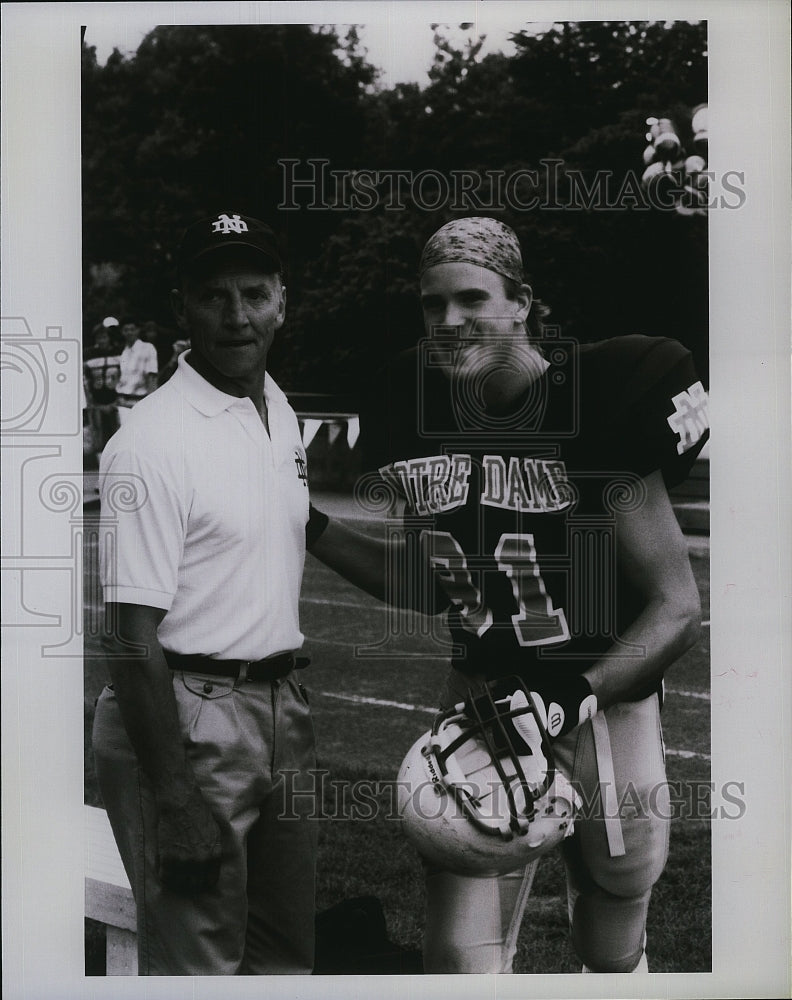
(243, 670)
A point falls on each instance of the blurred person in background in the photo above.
(101, 372)
(139, 369)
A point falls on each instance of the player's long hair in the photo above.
(538, 313)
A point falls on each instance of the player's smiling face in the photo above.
(231, 313)
(493, 348)
(473, 299)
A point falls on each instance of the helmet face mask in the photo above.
(479, 792)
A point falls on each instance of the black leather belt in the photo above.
(254, 670)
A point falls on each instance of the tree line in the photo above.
(291, 123)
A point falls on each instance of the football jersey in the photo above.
(516, 516)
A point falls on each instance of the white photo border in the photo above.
(42, 703)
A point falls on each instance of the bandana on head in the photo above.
(485, 242)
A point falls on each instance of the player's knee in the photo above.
(628, 876)
(635, 872)
(628, 883)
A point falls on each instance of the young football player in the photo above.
(535, 474)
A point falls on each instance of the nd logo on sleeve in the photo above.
(302, 466)
(690, 417)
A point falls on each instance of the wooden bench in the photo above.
(108, 896)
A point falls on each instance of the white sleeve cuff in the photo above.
(136, 595)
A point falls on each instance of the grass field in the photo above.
(369, 710)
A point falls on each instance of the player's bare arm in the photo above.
(359, 558)
(188, 836)
(653, 558)
(372, 564)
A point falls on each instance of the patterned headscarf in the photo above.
(485, 242)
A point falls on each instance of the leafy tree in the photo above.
(194, 123)
(198, 119)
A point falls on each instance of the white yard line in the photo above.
(344, 604)
(704, 695)
(313, 641)
(358, 699)
(329, 602)
(687, 754)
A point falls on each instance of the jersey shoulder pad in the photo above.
(623, 370)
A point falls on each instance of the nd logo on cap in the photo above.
(224, 224)
(216, 233)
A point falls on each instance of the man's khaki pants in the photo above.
(251, 746)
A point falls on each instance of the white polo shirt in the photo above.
(217, 533)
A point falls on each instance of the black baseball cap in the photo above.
(227, 230)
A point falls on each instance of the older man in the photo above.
(205, 730)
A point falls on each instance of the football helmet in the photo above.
(479, 792)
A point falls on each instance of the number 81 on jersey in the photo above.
(536, 622)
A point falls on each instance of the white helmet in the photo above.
(479, 792)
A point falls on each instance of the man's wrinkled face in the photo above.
(231, 311)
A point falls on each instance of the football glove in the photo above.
(562, 702)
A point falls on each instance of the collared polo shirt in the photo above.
(136, 362)
(204, 516)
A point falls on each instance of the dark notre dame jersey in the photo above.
(517, 515)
